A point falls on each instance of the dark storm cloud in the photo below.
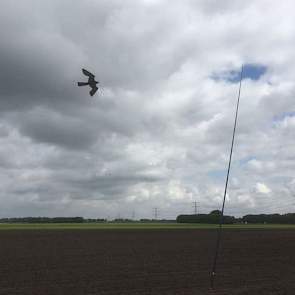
(47, 48)
(42, 125)
(43, 60)
(4, 131)
(108, 186)
(35, 71)
(68, 134)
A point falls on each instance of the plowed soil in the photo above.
(158, 262)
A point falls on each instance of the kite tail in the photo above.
(82, 83)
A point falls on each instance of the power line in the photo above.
(195, 207)
(213, 271)
(156, 212)
(133, 214)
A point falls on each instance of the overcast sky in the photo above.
(158, 131)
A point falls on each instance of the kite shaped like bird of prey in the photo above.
(91, 82)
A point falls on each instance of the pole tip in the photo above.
(212, 276)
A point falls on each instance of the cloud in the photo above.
(157, 134)
(262, 188)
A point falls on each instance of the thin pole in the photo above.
(213, 271)
(195, 207)
(156, 213)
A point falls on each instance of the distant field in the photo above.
(136, 225)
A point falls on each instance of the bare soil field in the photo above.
(157, 262)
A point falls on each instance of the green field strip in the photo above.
(135, 225)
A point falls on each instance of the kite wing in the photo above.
(93, 90)
(86, 73)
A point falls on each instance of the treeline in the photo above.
(288, 218)
(78, 220)
(211, 218)
(49, 220)
(214, 217)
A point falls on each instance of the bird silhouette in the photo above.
(91, 82)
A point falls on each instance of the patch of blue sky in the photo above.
(282, 116)
(245, 160)
(220, 174)
(250, 71)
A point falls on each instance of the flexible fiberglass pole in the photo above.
(213, 271)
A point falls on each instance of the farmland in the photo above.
(138, 261)
(135, 225)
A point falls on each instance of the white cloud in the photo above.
(262, 188)
(160, 128)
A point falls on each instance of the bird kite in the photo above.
(91, 82)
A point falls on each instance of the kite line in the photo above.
(213, 271)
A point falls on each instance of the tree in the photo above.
(215, 212)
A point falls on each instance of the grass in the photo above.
(135, 225)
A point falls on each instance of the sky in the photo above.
(157, 133)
